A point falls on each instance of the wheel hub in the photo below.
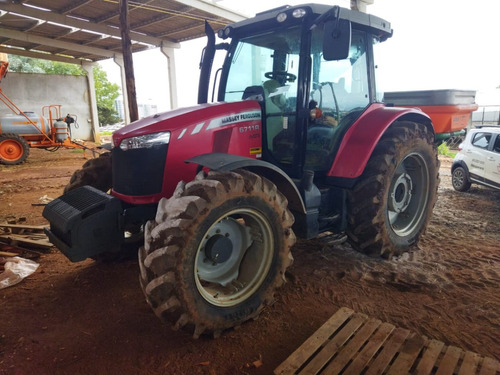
(219, 248)
(223, 248)
(401, 193)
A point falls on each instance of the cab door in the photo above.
(476, 154)
(492, 162)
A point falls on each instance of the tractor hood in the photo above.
(187, 119)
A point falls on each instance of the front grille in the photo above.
(139, 171)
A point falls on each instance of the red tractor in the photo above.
(297, 143)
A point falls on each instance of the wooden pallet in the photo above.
(24, 235)
(351, 343)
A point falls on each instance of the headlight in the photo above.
(145, 141)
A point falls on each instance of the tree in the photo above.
(23, 64)
(106, 92)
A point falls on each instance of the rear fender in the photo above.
(461, 163)
(362, 137)
(228, 162)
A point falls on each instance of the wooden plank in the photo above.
(469, 364)
(20, 226)
(407, 355)
(431, 354)
(7, 254)
(376, 341)
(331, 348)
(26, 241)
(312, 344)
(352, 348)
(391, 347)
(449, 361)
(489, 366)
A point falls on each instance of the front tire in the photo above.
(13, 149)
(97, 172)
(216, 251)
(392, 202)
(94, 172)
(460, 179)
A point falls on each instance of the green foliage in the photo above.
(444, 150)
(106, 94)
(22, 64)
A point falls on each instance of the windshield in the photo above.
(269, 60)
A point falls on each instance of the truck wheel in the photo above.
(95, 172)
(460, 180)
(216, 251)
(13, 149)
(392, 202)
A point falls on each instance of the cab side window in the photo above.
(496, 146)
(481, 140)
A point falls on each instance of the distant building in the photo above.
(144, 109)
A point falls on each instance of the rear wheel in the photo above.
(460, 180)
(392, 202)
(216, 251)
(13, 149)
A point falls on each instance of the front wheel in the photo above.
(216, 251)
(13, 149)
(391, 204)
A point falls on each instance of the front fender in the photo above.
(228, 162)
(362, 137)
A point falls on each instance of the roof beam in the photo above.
(25, 37)
(77, 23)
(75, 5)
(117, 13)
(213, 9)
(45, 56)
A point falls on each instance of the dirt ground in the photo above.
(91, 318)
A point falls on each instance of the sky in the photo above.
(437, 44)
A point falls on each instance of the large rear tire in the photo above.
(216, 251)
(13, 149)
(391, 204)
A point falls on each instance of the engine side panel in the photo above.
(233, 128)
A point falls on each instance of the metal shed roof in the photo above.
(78, 31)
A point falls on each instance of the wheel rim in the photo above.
(408, 195)
(458, 178)
(10, 150)
(234, 257)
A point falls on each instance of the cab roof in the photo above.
(374, 25)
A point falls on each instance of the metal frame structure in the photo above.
(86, 31)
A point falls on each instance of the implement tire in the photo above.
(391, 204)
(216, 252)
(13, 149)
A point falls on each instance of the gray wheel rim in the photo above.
(458, 178)
(408, 195)
(241, 271)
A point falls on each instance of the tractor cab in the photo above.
(311, 69)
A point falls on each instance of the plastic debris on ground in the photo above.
(16, 269)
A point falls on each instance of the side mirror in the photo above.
(336, 39)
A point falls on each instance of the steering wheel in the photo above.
(281, 76)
